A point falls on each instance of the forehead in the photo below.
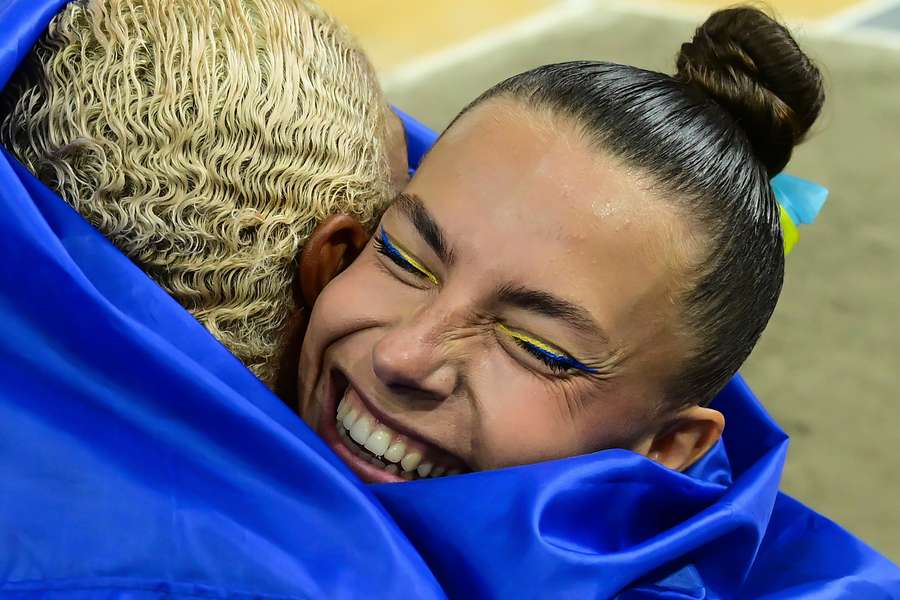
(515, 163)
(522, 195)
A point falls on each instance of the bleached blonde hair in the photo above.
(205, 139)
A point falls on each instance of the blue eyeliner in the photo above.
(391, 249)
(559, 361)
(403, 260)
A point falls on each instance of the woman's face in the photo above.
(515, 305)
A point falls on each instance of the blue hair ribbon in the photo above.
(799, 202)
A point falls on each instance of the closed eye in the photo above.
(557, 360)
(387, 247)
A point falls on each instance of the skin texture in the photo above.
(522, 202)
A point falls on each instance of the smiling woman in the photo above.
(582, 261)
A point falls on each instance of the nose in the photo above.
(409, 360)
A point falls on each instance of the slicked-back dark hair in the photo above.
(710, 137)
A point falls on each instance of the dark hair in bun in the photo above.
(710, 137)
(753, 68)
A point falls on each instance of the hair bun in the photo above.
(752, 67)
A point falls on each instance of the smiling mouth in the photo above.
(374, 450)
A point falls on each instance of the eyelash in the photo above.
(385, 247)
(558, 363)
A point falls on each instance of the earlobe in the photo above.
(331, 247)
(686, 438)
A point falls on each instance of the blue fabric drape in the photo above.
(138, 458)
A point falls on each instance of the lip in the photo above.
(327, 429)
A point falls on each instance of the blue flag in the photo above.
(138, 458)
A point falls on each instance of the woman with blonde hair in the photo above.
(199, 143)
(206, 141)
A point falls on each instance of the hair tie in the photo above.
(799, 201)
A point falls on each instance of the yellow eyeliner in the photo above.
(554, 353)
(407, 257)
(527, 338)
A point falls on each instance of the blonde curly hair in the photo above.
(205, 139)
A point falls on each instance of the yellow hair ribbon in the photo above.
(799, 201)
(788, 229)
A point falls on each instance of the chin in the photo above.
(375, 445)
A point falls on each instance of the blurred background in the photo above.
(827, 367)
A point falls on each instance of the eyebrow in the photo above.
(536, 301)
(549, 305)
(414, 209)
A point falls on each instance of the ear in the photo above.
(686, 438)
(330, 248)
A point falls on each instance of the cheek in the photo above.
(357, 299)
(523, 418)
(361, 296)
(618, 416)
(339, 304)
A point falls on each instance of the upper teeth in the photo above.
(384, 443)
